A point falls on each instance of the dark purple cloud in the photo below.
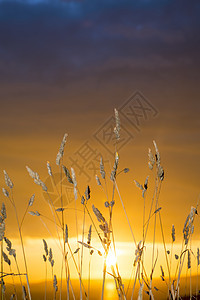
(53, 39)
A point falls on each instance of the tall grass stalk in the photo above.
(104, 278)
(154, 236)
(69, 283)
(190, 269)
(76, 218)
(171, 255)
(48, 230)
(170, 286)
(13, 281)
(77, 269)
(111, 229)
(142, 255)
(18, 273)
(89, 271)
(2, 269)
(197, 262)
(181, 262)
(22, 244)
(83, 229)
(85, 205)
(45, 287)
(107, 248)
(122, 203)
(54, 213)
(63, 234)
(186, 277)
(136, 276)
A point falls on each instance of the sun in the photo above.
(111, 259)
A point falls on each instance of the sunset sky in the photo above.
(64, 67)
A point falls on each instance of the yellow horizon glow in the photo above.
(125, 254)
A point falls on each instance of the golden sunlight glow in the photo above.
(111, 259)
(110, 286)
(125, 258)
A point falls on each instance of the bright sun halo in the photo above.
(111, 259)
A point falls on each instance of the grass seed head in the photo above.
(82, 200)
(5, 192)
(8, 242)
(60, 209)
(89, 235)
(85, 245)
(146, 183)
(6, 259)
(12, 252)
(117, 125)
(173, 233)
(112, 203)
(157, 153)
(41, 183)
(67, 173)
(160, 172)
(52, 263)
(114, 171)
(151, 159)
(50, 255)
(8, 180)
(98, 180)
(31, 200)
(32, 174)
(44, 258)
(75, 193)
(55, 283)
(87, 193)
(102, 170)
(3, 211)
(76, 251)
(32, 213)
(162, 272)
(61, 150)
(106, 204)
(186, 235)
(74, 177)
(138, 185)
(45, 247)
(97, 213)
(189, 260)
(49, 169)
(104, 228)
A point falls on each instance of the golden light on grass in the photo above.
(89, 247)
